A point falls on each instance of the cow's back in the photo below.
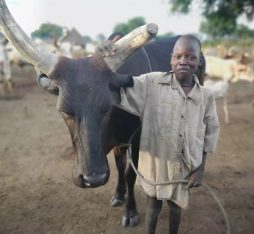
(155, 56)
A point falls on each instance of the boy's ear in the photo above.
(170, 60)
(201, 59)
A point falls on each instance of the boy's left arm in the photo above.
(210, 140)
(196, 177)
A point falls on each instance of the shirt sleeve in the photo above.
(133, 98)
(212, 125)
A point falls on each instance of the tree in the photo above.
(220, 23)
(129, 25)
(220, 15)
(48, 30)
(243, 31)
(121, 27)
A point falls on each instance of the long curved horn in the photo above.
(129, 44)
(40, 57)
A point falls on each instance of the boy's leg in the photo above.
(174, 217)
(153, 208)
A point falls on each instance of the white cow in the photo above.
(5, 69)
(219, 89)
(228, 69)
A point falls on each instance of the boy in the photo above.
(179, 127)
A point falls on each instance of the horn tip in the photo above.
(152, 28)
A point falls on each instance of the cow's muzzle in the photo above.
(91, 181)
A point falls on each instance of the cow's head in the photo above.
(85, 99)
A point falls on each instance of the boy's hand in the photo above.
(196, 177)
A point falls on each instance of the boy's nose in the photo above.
(183, 60)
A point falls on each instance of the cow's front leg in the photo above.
(120, 159)
(131, 217)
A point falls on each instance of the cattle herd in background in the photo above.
(226, 66)
(223, 65)
(9, 56)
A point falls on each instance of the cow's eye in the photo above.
(67, 116)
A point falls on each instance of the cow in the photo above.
(15, 57)
(220, 90)
(6, 84)
(228, 69)
(88, 97)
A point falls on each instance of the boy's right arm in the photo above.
(133, 98)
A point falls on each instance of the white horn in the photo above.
(40, 57)
(129, 44)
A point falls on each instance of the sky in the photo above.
(92, 17)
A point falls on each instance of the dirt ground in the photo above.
(38, 196)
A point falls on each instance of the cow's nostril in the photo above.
(96, 180)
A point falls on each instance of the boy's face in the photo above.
(185, 58)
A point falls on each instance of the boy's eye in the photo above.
(186, 57)
(67, 116)
(177, 56)
(192, 57)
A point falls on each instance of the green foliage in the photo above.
(218, 24)
(227, 43)
(243, 31)
(220, 15)
(121, 27)
(48, 30)
(182, 6)
(136, 22)
(130, 25)
(242, 38)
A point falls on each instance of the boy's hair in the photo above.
(192, 38)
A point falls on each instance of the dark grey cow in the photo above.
(120, 125)
(88, 95)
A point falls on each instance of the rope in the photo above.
(148, 60)
(219, 203)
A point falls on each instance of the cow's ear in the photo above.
(63, 69)
(125, 80)
(47, 84)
